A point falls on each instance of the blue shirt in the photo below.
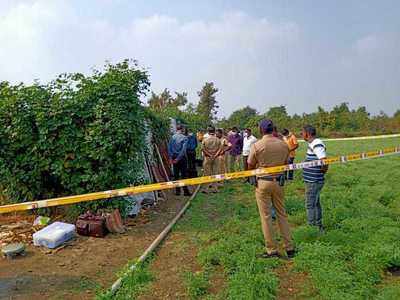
(177, 146)
(316, 150)
(192, 142)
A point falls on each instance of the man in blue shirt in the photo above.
(177, 155)
(314, 177)
(191, 153)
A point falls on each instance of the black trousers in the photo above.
(180, 170)
(191, 159)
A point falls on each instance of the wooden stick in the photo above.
(117, 284)
(161, 162)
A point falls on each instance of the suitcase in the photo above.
(114, 222)
(54, 235)
(89, 224)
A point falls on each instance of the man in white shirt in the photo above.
(248, 140)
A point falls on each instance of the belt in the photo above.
(270, 178)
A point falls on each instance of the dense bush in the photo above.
(74, 135)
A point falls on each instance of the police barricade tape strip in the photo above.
(369, 137)
(192, 181)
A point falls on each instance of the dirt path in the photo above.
(75, 272)
(177, 256)
(292, 285)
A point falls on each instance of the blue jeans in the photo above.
(313, 203)
(290, 174)
(273, 212)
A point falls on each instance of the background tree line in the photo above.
(340, 121)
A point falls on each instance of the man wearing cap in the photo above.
(270, 151)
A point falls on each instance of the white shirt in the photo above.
(247, 142)
(319, 151)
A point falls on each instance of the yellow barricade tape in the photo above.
(192, 181)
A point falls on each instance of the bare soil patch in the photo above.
(292, 284)
(177, 256)
(76, 271)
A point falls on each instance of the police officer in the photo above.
(211, 149)
(269, 152)
(222, 155)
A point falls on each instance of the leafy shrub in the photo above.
(74, 135)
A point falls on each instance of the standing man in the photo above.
(191, 153)
(248, 140)
(225, 147)
(292, 143)
(314, 177)
(200, 135)
(236, 140)
(276, 133)
(211, 149)
(270, 151)
(177, 155)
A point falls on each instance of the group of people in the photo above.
(228, 151)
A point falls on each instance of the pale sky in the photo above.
(301, 54)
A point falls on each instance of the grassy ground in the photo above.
(361, 203)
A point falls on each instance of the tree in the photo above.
(241, 117)
(342, 117)
(279, 116)
(207, 107)
(160, 102)
(360, 118)
(180, 99)
(397, 114)
(165, 100)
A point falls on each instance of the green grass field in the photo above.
(361, 203)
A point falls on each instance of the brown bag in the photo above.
(114, 222)
(91, 225)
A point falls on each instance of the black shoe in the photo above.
(291, 253)
(269, 255)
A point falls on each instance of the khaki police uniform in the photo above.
(223, 158)
(212, 145)
(269, 152)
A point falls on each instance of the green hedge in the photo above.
(74, 135)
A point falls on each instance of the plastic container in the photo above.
(54, 235)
